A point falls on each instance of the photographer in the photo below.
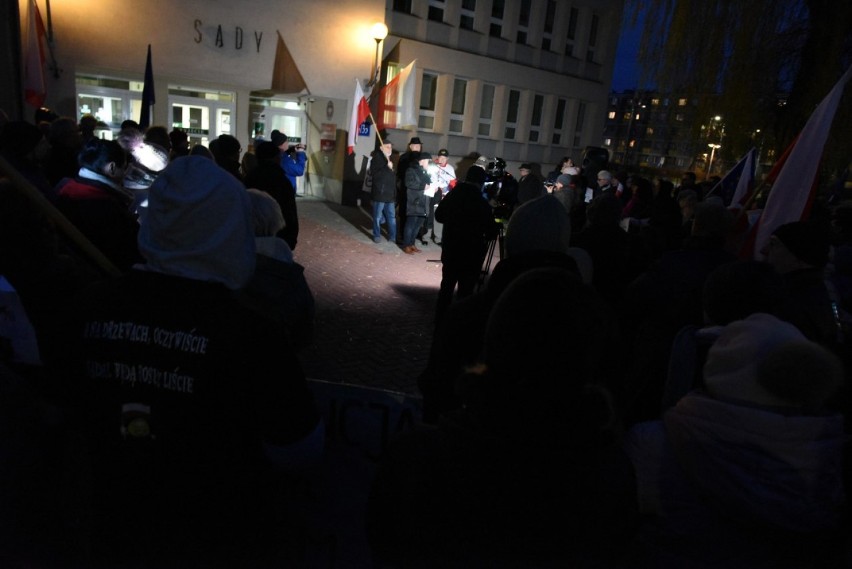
(293, 160)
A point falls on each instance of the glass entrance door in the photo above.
(203, 117)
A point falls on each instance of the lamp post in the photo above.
(713, 148)
(380, 32)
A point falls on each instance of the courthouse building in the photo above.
(526, 80)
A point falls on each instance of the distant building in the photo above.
(661, 131)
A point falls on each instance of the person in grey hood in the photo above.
(747, 471)
(190, 401)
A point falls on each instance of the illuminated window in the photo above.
(607, 142)
(611, 115)
(655, 102)
(679, 117)
(681, 102)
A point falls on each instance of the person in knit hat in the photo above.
(538, 225)
(749, 467)
(188, 397)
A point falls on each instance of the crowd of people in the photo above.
(163, 416)
(621, 391)
(625, 372)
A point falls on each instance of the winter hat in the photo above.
(475, 175)
(766, 361)
(425, 156)
(541, 224)
(267, 151)
(808, 241)
(563, 179)
(198, 224)
(278, 138)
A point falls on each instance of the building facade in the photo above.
(526, 80)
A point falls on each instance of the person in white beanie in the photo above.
(188, 399)
(747, 471)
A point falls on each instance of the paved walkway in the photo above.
(375, 304)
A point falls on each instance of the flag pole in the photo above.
(53, 65)
(378, 134)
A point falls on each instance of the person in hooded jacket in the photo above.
(188, 400)
(747, 471)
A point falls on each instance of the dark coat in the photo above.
(530, 187)
(269, 177)
(383, 188)
(416, 180)
(103, 215)
(468, 224)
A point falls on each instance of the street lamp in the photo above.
(713, 148)
(380, 32)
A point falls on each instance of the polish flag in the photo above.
(360, 112)
(396, 101)
(34, 84)
(792, 193)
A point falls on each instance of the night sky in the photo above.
(625, 74)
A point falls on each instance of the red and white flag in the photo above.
(34, 84)
(792, 193)
(360, 112)
(396, 101)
